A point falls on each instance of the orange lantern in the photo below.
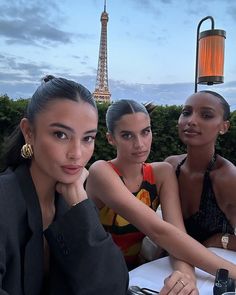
(210, 56)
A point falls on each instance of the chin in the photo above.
(139, 161)
(67, 179)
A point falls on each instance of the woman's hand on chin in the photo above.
(74, 193)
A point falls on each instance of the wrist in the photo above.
(78, 200)
(225, 241)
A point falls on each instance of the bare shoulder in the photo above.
(98, 165)
(161, 166)
(224, 181)
(162, 169)
(100, 171)
(225, 170)
(175, 159)
(99, 174)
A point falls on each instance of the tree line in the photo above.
(164, 127)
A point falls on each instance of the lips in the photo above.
(140, 154)
(191, 132)
(71, 169)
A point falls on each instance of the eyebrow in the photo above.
(125, 131)
(201, 108)
(60, 125)
(208, 108)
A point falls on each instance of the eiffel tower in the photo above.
(101, 92)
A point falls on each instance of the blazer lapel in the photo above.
(33, 259)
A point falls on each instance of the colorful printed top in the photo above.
(124, 234)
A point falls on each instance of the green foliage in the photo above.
(102, 149)
(165, 134)
(164, 126)
(226, 143)
(11, 111)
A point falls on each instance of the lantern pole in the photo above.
(197, 45)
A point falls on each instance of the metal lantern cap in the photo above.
(214, 32)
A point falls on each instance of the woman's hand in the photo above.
(179, 283)
(74, 193)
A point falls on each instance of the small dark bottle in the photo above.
(222, 282)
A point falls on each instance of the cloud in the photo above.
(208, 6)
(228, 91)
(24, 77)
(161, 94)
(168, 94)
(149, 6)
(29, 23)
(231, 10)
(25, 31)
(19, 69)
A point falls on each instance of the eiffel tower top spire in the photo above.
(101, 92)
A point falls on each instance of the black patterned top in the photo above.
(209, 219)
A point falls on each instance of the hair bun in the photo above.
(47, 78)
(150, 107)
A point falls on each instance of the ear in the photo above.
(225, 127)
(26, 130)
(110, 138)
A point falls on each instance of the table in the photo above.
(152, 274)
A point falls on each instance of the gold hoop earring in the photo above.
(27, 151)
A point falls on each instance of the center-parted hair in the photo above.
(224, 103)
(120, 108)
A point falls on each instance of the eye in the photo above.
(146, 131)
(207, 115)
(186, 112)
(126, 136)
(60, 135)
(89, 139)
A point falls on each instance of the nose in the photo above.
(192, 120)
(74, 151)
(138, 142)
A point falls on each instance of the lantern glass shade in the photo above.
(211, 57)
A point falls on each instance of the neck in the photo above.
(44, 187)
(198, 159)
(127, 169)
(131, 174)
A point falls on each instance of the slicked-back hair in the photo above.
(120, 108)
(51, 89)
(224, 103)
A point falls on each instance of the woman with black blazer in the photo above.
(51, 240)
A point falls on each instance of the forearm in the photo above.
(183, 247)
(183, 267)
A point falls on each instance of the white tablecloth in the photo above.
(152, 274)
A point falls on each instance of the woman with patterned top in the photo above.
(127, 196)
(207, 181)
(125, 235)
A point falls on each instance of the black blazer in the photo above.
(83, 257)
